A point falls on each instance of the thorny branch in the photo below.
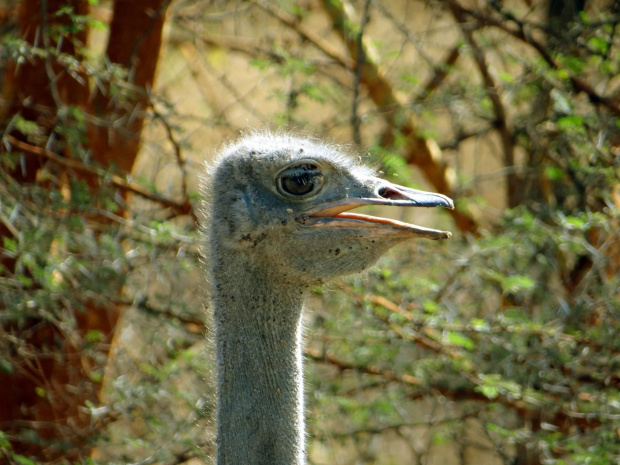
(421, 152)
(184, 208)
(422, 423)
(522, 33)
(519, 403)
(422, 389)
(331, 359)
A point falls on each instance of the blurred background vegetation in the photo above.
(499, 346)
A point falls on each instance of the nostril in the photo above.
(391, 194)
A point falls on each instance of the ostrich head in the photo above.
(280, 204)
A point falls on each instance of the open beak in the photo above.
(335, 214)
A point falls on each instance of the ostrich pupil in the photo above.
(300, 180)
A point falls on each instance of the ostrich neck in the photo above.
(259, 367)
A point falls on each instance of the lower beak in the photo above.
(334, 214)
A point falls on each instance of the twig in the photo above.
(462, 136)
(175, 145)
(193, 324)
(417, 43)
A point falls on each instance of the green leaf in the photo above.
(479, 325)
(4, 442)
(314, 92)
(575, 222)
(599, 45)
(490, 392)
(260, 64)
(573, 63)
(506, 77)
(515, 315)
(26, 127)
(570, 122)
(502, 431)
(80, 193)
(25, 280)
(517, 283)
(93, 336)
(410, 79)
(10, 244)
(21, 460)
(460, 340)
(441, 437)
(554, 173)
(432, 307)
(6, 366)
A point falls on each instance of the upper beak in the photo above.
(332, 214)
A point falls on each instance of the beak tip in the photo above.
(449, 203)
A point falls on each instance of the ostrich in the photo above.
(276, 225)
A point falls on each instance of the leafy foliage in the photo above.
(499, 345)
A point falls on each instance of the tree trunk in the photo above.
(51, 382)
(135, 40)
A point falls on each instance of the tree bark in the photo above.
(135, 41)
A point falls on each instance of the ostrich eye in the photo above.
(300, 180)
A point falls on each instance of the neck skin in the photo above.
(259, 367)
